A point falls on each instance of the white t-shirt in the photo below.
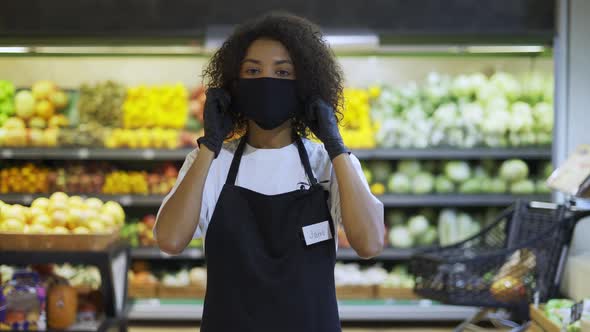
(267, 171)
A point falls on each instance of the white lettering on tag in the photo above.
(317, 232)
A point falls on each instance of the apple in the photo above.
(149, 221)
(58, 196)
(58, 206)
(38, 229)
(60, 230)
(14, 123)
(59, 99)
(36, 137)
(96, 226)
(13, 226)
(37, 122)
(58, 120)
(24, 104)
(50, 137)
(74, 218)
(81, 230)
(44, 109)
(76, 201)
(36, 211)
(59, 218)
(41, 203)
(94, 203)
(43, 89)
(13, 212)
(107, 220)
(42, 219)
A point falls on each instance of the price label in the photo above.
(27, 199)
(7, 153)
(83, 153)
(148, 154)
(126, 200)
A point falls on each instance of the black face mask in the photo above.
(268, 101)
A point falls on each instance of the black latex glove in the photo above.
(322, 121)
(217, 120)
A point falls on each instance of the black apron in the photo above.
(261, 276)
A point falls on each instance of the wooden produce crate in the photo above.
(65, 242)
(187, 292)
(396, 293)
(540, 322)
(143, 291)
(355, 292)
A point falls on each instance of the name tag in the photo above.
(317, 232)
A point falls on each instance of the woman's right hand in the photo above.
(217, 119)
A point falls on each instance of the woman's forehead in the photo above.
(265, 50)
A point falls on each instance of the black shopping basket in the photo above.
(512, 261)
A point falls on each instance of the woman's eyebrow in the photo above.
(280, 62)
(253, 61)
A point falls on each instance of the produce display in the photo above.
(6, 101)
(163, 106)
(466, 111)
(428, 227)
(25, 179)
(86, 134)
(62, 214)
(456, 176)
(101, 103)
(356, 282)
(81, 276)
(81, 178)
(143, 138)
(356, 126)
(558, 311)
(63, 295)
(138, 232)
(182, 283)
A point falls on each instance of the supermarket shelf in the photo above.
(180, 154)
(125, 200)
(389, 200)
(457, 200)
(387, 254)
(453, 153)
(195, 253)
(93, 154)
(155, 253)
(376, 310)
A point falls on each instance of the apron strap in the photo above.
(235, 164)
(305, 160)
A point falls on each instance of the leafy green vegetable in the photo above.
(423, 183)
(457, 171)
(514, 170)
(399, 183)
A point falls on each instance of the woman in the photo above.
(269, 203)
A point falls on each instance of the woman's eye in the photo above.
(283, 73)
(252, 71)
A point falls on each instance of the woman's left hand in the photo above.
(321, 119)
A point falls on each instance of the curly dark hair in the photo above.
(318, 73)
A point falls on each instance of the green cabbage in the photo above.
(422, 183)
(443, 185)
(399, 183)
(381, 170)
(400, 237)
(522, 187)
(513, 170)
(457, 171)
(417, 225)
